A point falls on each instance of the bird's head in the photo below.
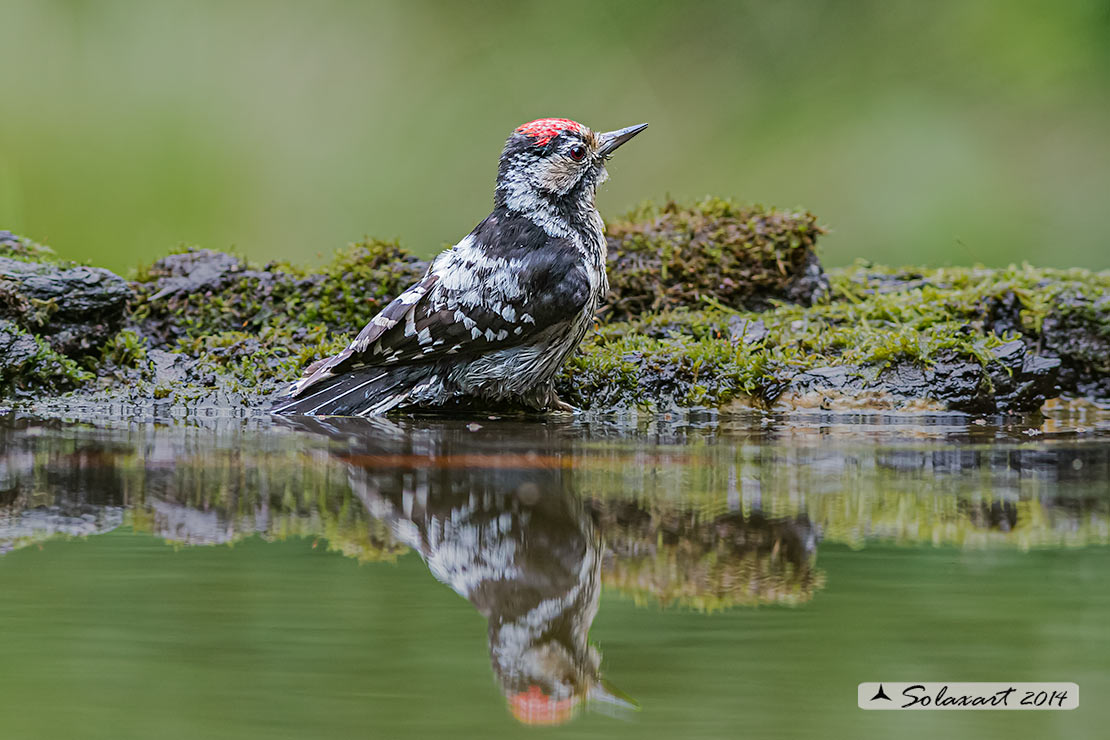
(556, 159)
(549, 685)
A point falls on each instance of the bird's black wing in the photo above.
(468, 303)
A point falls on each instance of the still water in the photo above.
(712, 578)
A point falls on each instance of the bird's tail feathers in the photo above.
(368, 392)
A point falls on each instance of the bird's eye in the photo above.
(578, 153)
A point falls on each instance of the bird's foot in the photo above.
(560, 406)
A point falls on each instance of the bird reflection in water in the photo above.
(507, 533)
(526, 521)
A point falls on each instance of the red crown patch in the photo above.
(544, 130)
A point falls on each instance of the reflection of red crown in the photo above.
(533, 707)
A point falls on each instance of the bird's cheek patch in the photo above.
(559, 176)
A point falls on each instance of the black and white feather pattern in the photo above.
(493, 317)
(498, 313)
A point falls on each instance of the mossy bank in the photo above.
(713, 305)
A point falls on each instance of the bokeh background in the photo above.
(940, 132)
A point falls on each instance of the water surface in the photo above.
(717, 577)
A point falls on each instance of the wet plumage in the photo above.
(496, 315)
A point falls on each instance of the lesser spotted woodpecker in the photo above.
(495, 316)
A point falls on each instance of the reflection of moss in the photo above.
(710, 581)
(912, 495)
(677, 556)
(364, 539)
(705, 525)
(216, 499)
(949, 520)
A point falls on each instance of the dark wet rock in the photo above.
(19, 247)
(202, 292)
(75, 308)
(195, 271)
(178, 290)
(1020, 381)
(1002, 314)
(27, 365)
(1077, 331)
(850, 379)
(17, 348)
(1015, 381)
(168, 368)
(714, 252)
(744, 330)
(868, 279)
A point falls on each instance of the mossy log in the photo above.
(713, 305)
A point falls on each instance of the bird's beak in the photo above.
(612, 139)
(608, 699)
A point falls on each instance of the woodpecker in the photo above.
(495, 316)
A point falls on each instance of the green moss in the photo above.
(247, 330)
(712, 304)
(966, 293)
(874, 318)
(623, 367)
(124, 350)
(21, 248)
(266, 360)
(345, 293)
(28, 366)
(663, 257)
(31, 313)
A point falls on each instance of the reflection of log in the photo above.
(345, 528)
(272, 486)
(679, 557)
(23, 527)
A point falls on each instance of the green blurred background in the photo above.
(948, 132)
